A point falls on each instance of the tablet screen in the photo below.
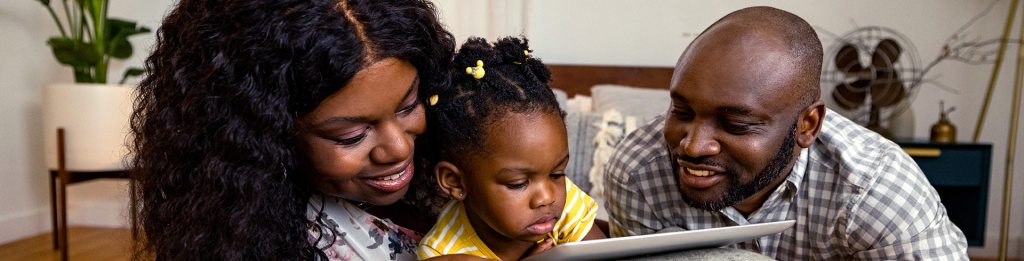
(619, 247)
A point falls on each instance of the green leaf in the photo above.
(117, 37)
(118, 27)
(74, 53)
(44, 2)
(119, 48)
(131, 72)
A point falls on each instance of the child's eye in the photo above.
(519, 185)
(557, 175)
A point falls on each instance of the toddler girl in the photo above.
(499, 150)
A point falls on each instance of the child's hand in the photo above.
(540, 247)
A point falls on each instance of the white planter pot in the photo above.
(95, 120)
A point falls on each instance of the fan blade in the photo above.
(886, 53)
(860, 85)
(886, 74)
(887, 92)
(848, 59)
(849, 97)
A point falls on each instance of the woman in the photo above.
(284, 130)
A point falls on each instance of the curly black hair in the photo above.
(215, 157)
(514, 82)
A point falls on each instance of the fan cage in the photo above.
(865, 39)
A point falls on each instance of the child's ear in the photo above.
(449, 178)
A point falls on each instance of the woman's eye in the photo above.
(519, 185)
(353, 140)
(408, 108)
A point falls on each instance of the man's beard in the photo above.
(735, 191)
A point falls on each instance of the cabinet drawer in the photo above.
(959, 173)
(954, 167)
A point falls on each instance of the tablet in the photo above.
(619, 247)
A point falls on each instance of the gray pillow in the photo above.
(643, 103)
(581, 128)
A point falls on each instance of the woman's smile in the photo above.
(391, 180)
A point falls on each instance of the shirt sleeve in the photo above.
(901, 217)
(579, 213)
(628, 212)
(424, 251)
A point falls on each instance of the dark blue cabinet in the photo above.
(960, 173)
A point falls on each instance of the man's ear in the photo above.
(449, 178)
(809, 124)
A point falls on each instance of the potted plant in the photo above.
(93, 113)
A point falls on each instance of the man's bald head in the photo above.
(776, 28)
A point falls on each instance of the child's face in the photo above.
(517, 189)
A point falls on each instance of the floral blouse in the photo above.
(358, 235)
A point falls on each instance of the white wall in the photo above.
(25, 67)
(655, 32)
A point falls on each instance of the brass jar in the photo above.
(943, 131)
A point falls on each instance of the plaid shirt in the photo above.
(853, 194)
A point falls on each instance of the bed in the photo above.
(602, 105)
(578, 79)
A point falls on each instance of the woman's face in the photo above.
(360, 139)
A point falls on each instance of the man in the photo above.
(747, 140)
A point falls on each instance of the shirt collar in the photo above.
(788, 189)
(796, 176)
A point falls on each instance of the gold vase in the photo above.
(943, 131)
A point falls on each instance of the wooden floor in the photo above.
(101, 244)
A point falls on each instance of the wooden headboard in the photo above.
(577, 79)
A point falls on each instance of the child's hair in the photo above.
(513, 82)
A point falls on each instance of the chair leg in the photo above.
(63, 231)
(53, 209)
(65, 177)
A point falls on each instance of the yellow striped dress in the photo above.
(453, 234)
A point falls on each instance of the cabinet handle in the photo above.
(923, 152)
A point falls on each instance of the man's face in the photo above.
(732, 125)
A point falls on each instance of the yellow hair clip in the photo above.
(527, 54)
(433, 100)
(478, 71)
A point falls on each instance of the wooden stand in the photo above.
(59, 180)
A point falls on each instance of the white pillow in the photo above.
(611, 129)
(580, 103)
(561, 97)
